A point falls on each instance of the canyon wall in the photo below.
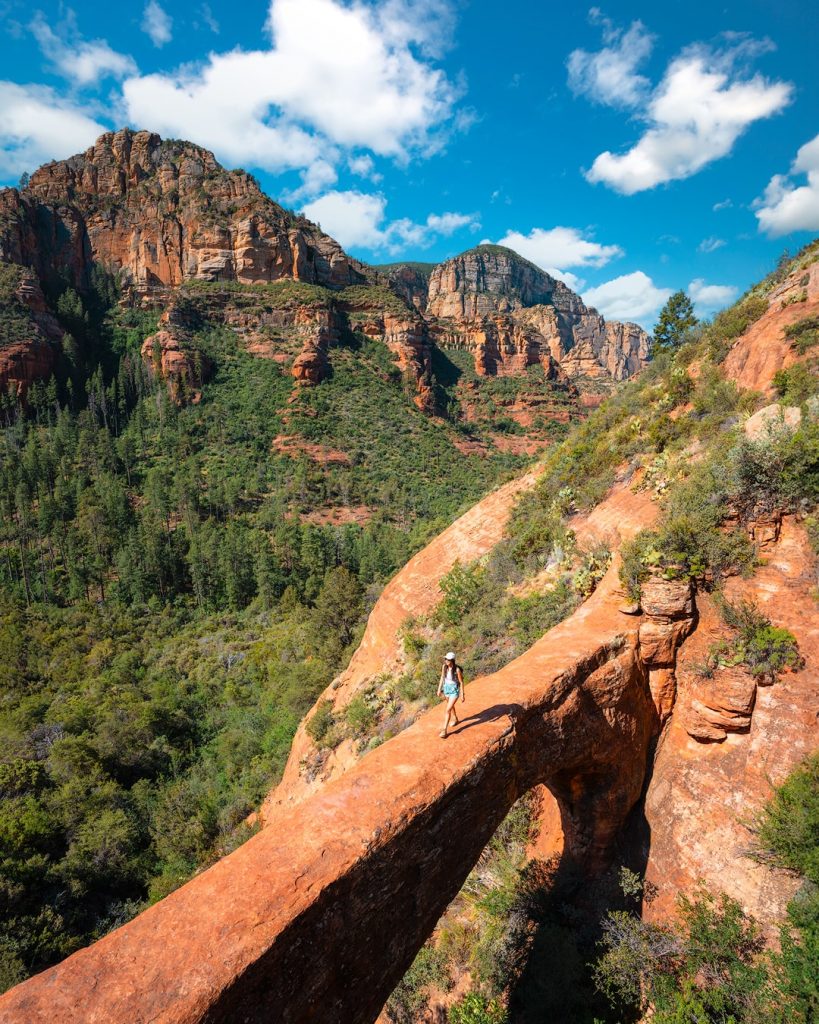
(162, 214)
(511, 315)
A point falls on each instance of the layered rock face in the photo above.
(405, 334)
(29, 332)
(491, 292)
(729, 741)
(410, 281)
(161, 213)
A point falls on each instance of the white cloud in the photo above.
(711, 244)
(36, 125)
(555, 249)
(82, 62)
(787, 207)
(448, 223)
(157, 24)
(362, 165)
(724, 204)
(359, 220)
(427, 24)
(577, 284)
(560, 247)
(333, 77)
(610, 76)
(630, 297)
(704, 103)
(320, 175)
(708, 298)
(353, 218)
(207, 16)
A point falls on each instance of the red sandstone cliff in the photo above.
(369, 860)
(29, 333)
(161, 214)
(511, 314)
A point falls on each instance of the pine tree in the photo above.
(675, 321)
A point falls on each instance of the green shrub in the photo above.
(706, 967)
(797, 383)
(12, 968)
(16, 319)
(461, 587)
(408, 998)
(762, 648)
(789, 824)
(812, 530)
(779, 471)
(683, 547)
(710, 966)
(321, 722)
(736, 320)
(534, 615)
(804, 333)
(788, 832)
(360, 715)
(477, 1009)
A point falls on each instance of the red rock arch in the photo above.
(320, 914)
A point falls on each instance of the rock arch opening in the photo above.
(328, 905)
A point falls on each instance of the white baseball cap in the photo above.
(450, 656)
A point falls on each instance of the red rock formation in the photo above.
(410, 281)
(501, 345)
(668, 609)
(30, 353)
(183, 369)
(404, 332)
(763, 349)
(729, 741)
(490, 300)
(162, 213)
(413, 593)
(362, 870)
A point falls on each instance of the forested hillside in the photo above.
(178, 582)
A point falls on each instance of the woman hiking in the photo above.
(450, 686)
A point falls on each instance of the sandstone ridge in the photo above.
(163, 214)
(371, 860)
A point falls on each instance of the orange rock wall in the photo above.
(706, 789)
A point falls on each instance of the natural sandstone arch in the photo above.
(319, 915)
(413, 591)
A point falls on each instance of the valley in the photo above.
(253, 488)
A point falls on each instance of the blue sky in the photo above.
(633, 148)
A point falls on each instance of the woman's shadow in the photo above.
(510, 711)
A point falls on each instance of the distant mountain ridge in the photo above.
(164, 214)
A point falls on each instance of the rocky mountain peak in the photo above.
(515, 314)
(161, 212)
(490, 279)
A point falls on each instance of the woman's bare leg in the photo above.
(450, 710)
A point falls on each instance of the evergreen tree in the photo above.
(338, 608)
(675, 321)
